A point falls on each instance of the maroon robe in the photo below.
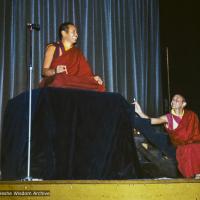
(186, 137)
(79, 74)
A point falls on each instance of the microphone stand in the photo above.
(30, 68)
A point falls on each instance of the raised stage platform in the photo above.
(173, 189)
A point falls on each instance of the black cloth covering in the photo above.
(76, 134)
(159, 139)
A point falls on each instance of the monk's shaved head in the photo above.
(180, 96)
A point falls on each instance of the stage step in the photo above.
(173, 189)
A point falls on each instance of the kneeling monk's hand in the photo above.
(138, 109)
(98, 79)
(61, 69)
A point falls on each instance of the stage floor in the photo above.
(173, 189)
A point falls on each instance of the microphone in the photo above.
(33, 26)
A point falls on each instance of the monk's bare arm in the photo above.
(46, 71)
(158, 120)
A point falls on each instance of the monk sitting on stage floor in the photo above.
(65, 66)
(183, 128)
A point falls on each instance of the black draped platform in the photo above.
(75, 135)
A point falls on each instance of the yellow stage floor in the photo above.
(173, 189)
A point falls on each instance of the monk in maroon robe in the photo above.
(65, 66)
(183, 127)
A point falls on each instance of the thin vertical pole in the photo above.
(168, 77)
(30, 108)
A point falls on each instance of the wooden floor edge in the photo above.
(147, 189)
(135, 181)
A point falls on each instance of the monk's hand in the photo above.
(61, 69)
(98, 79)
(138, 109)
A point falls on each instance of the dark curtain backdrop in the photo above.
(120, 39)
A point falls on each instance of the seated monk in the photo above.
(65, 66)
(183, 128)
